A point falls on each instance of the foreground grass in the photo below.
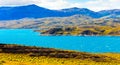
(23, 59)
(13, 55)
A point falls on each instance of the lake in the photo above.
(94, 44)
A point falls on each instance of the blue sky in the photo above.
(95, 5)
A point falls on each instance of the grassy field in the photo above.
(22, 59)
(25, 55)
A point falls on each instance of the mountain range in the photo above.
(50, 22)
(34, 11)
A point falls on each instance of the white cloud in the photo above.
(53, 4)
(15, 2)
(95, 5)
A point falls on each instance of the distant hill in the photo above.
(81, 11)
(75, 20)
(109, 12)
(34, 11)
(30, 11)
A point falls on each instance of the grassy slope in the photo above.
(8, 58)
(89, 30)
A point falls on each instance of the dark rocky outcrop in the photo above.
(89, 32)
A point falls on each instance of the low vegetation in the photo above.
(50, 22)
(24, 55)
(87, 30)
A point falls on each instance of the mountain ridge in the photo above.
(34, 11)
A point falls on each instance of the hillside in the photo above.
(34, 11)
(55, 22)
(86, 30)
(76, 20)
(50, 52)
(26, 55)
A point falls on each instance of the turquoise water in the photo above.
(99, 44)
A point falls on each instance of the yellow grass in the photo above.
(23, 59)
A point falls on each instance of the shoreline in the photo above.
(81, 35)
(26, 55)
(60, 49)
